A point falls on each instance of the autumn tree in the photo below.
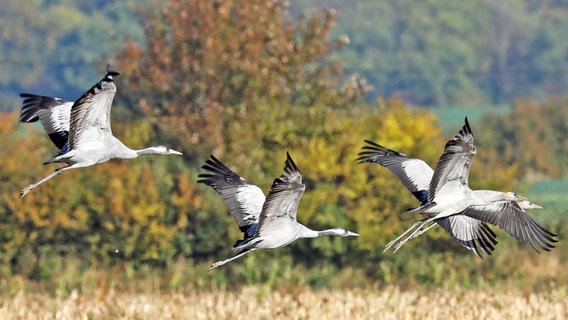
(58, 47)
(137, 211)
(246, 82)
(208, 63)
(532, 136)
(455, 53)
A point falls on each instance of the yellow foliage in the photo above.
(268, 90)
(151, 208)
(324, 144)
(117, 205)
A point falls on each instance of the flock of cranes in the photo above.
(82, 132)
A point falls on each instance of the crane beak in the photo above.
(534, 206)
(351, 234)
(175, 152)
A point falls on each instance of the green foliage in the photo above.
(207, 66)
(246, 83)
(445, 53)
(451, 117)
(56, 47)
(420, 52)
(151, 210)
(428, 53)
(532, 136)
(551, 195)
(135, 211)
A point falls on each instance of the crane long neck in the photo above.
(145, 151)
(306, 232)
(127, 153)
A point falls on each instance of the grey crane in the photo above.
(416, 175)
(275, 224)
(81, 130)
(448, 201)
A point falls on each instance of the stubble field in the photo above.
(255, 302)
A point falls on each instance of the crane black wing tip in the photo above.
(373, 151)
(110, 72)
(204, 181)
(372, 143)
(30, 107)
(551, 234)
(214, 172)
(466, 128)
(291, 172)
(290, 165)
(205, 177)
(472, 245)
(368, 151)
(209, 162)
(362, 159)
(110, 75)
(219, 175)
(368, 157)
(215, 165)
(373, 146)
(36, 100)
(487, 239)
(26, 118)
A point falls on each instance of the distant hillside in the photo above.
(434, 53)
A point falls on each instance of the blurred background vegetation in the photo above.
(248, 81)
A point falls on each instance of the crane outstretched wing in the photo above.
(243, 199)
(284, 196)
(414, 173)
(90, 114)
(53, 114)
(471, 233)
(509, 216)
(452, 170)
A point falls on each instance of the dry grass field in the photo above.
(303, 303)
